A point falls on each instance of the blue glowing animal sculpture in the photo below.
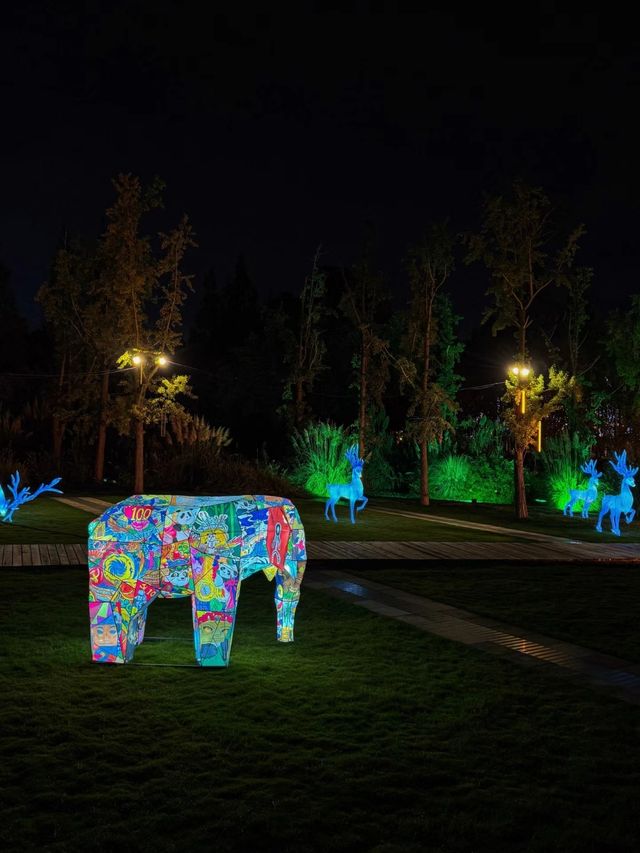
(622, 503)
(588, 495)
(21, 495)
(353, 491)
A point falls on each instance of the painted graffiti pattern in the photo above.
(163, 546)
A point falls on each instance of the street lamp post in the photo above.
(521, 373)
(155, 360)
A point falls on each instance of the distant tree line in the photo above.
(114, 375)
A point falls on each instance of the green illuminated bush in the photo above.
(379, 474)
(459, 478)
(561, 460)
(491, 481)
(449, 478)
(319, 457)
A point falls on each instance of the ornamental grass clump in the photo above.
(319, 452)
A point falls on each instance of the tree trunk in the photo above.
(299, 403)
(424, 445)
(424, 473)
(98, 471)
(57, 433)
(362, 415)
(138, 485)
(522, 338)
(521, 497)
(57, 425)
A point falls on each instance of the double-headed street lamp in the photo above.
(141, 357)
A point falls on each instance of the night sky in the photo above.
(280, 129)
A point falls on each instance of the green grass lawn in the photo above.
(365, 734)
(595, 606)
(542, 519)
(48, 520)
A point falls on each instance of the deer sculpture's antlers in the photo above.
(353, 457)
(23, 495)
(589, 468)
(620, 466)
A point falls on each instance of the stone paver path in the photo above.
(93, 505)
(618, 677)
(552, 550)
(469, 525)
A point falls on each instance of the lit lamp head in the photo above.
(519, 371)
(161, 360)
(137, 359)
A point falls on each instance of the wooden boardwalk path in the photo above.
(558, 551)
(43, 555)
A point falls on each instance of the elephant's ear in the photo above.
(270, 573)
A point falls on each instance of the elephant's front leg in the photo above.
(212, 627)
(107, 641)
(287, 595)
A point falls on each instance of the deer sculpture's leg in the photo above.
(333, 510)
(630, 516)
(326, 509)
(351, 506)
(363, 504)
(615, 523)
(568, 506)
(287, 595)
(600, 515)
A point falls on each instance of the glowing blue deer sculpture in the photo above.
(588, 495)
(353, 491)
(21, 495)
(622, 503)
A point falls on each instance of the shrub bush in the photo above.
(319, 457)
(561, 460)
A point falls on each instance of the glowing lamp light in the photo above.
(515, 370)
(161, 360)
(137, 359)
(524, 372)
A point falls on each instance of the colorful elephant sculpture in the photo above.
(161, 546)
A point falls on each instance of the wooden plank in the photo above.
(25, 551)
(54, 560)
(16, 559)
(62, 554)
(80, 552)
(35, 555)
(7, 555)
